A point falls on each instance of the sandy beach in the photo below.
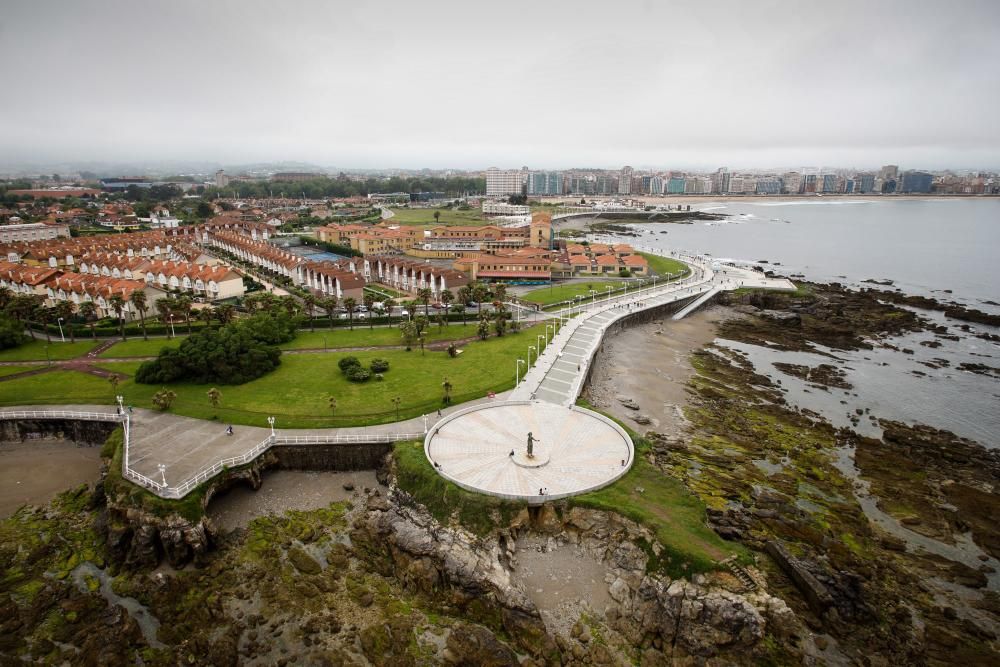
(34, 472)
(650, 364)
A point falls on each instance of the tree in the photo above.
(479, 293)
(350, 304)
(118, 304)
(139, 299)
(437, 216)
(290, 305)
(165, 310)
(214, 397)
(207, 314)
(6, 296)
(408, 329)
(88, 311)
(329, 305)
(499, 292)
(44, 315)
(226, 313)
(183, 304)
(204, 210)
(396, 401)
(447, 386)
(464, 294)
(64, 311)
(446, 298)
(424, 296)
(369, 301)
(11, 332)
(484, 328)
(163, 399)
(310, 302)
(500, 323)
(460, 309)
(332, 402)
(113, 381)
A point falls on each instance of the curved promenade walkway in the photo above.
(170, 454)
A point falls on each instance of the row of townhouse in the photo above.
(407, 275)
(341, 279)
(55, 286)
(63, 253)
(201, 280)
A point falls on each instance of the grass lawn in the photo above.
(665, 265)
(425, 216)
(380, 291)
(556, 293)
(34, 350)
(362, 336)
(137, 347)
(13, 370)
(298, 391)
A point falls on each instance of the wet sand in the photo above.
(555, 575)
(34, 472)
(651, 364)
(285, 490)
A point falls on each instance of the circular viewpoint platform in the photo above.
(484, 448)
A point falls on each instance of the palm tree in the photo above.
(424, 296)
(89, 313)
(206, 314)
(465, 294)
(214, 397)
(329, 306)
(252, 304)
(446, 298)
(447, 386)
(350, 304)
(165, 308)
(290, 305)
(310, 301)
(164, 398)
(64, 311)
(184, 307)
(369, 301)
(113, 381)
(141, 304)
(226, 313)
(333, 406)
(6, 296)
(500, 292)
(479, 292)
(460, 308)
(22, 306)
(118, 303)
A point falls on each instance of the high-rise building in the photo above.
(545, 183)
(720, 181)
(768, 185)
(864, 183)
(605, 185)
(917, 181)
(791, 182)
(505, 182)
(221, 180)
(625, 181)
(889, 172)
(656, 185)
(675, 186)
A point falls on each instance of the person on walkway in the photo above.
(439, 412)
(229, 430)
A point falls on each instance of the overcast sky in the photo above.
(508, 83)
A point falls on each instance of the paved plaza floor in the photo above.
(574, 450)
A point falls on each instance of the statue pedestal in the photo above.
(540, 458)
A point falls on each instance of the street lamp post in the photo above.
(540, 339)
(553, 327)
(270, 422)
(61, 336)
(517, 371)
(173, 334)
(593, 296)
(425, 424)
(163, 474)
(609, 293)
(530, 348)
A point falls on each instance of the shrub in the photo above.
(231, 355)
(346, 363)
(358, 374)
(379, 365)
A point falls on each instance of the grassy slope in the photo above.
(556, 293)
(12, 370)
(299, 390)
(34, 350)
(362, 336)
(665, 265)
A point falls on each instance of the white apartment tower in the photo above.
(501, 183)
(625, 181)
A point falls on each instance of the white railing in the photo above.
(207, 473)
(61, 414)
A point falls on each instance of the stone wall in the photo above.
(639, 317)
(80, 432)
(360, 456)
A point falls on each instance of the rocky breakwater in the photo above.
(664, 619)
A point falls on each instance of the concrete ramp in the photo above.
(697, 303)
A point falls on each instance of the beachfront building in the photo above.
(501, 183)
(411, 276)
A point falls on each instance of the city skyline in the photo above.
(442, 85)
